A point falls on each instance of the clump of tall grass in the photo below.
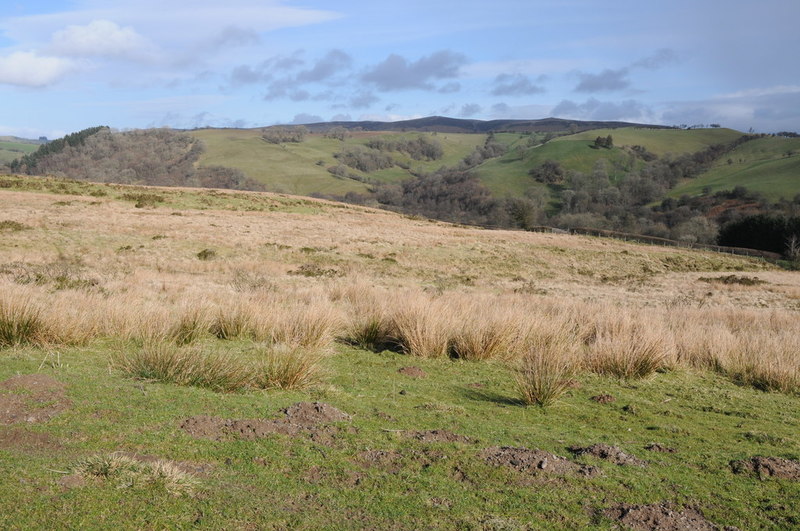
(487, 331)
(284, 367)
(165, 362)
(422, 326)
(232, 322)
(124, 472)
(766, 362)
(312, 326)
(546, 366)
(629, 349)
(367, 324)
(21, 322)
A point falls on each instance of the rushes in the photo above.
(165, 362)
(628, 349)
(289, 368)
(21, 322)
(546, 367)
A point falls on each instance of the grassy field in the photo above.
(769, 165)
(145, 337)
(11, 149)
(301, 168)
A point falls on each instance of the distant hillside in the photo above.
(12, 147)
(442, 124)
(770, 166)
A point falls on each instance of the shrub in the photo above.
(546, 368)
(207, 254)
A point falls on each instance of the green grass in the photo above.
(660, 141)
(295, 482)
(10, 149)
(294, 167)
(769, 165)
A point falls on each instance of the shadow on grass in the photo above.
(490, 396)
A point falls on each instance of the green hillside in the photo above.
(508, 175)
(768, 165)
(301, 168)
(660, 141)
(11, 149)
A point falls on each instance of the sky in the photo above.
(69, 65)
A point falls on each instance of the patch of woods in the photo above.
(159, 157)
(623, 195)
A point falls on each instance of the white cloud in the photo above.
(28, 69)
(99, 38)
(760, 92)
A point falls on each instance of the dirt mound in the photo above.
(655, 447)
(22, 440)
(603, 399)
(309, 414)
(661, 517)
(32, 398)
(766, 467)
(609, 453)
(303, 418)
(533, 461)
(412, 372)
(438, 436)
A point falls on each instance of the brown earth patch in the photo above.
(608, 453)
(412, 372)
(533, 461)
(603, 399)
(656, 447)
(661, 517)
(22, 440)
(438, 436)
(767, 467)
(31, 398)
(303, 418)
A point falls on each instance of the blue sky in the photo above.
(67, 65)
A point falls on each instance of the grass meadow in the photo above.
(151, 353)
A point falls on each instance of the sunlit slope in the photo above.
(768, 165)
(301, 168)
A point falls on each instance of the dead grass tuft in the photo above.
(546, 367)
(126, 472)
(289, 368)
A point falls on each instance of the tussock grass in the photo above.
(126, 472)
(21, 321)
(311, 326)
(232, 322)
(165, 362)
(766, 362)
(546, 367)
(422, 326)
(628, 349)
(488, 330)
(289, 368)
(367, 324)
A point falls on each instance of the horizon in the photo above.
(69, 65)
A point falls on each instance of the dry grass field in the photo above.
(236, 292)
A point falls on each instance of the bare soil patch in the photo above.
(438, 436)
(31, 398)
(303, 418)
(608, 453)
(768, 467)
(656, 447)
(534, 461)
(661, 517)
(22, 440)
(603, 399)
(412, 372)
